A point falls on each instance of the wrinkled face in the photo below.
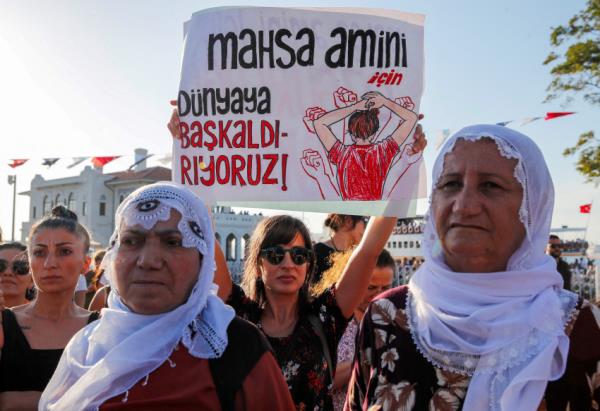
(476, 208)
(381, 280)
(13, 284)
(285, 277)
(153, 272)
(57, 257)
(554, 247)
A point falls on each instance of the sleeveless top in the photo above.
(23, 368)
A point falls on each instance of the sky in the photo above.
(95, 78)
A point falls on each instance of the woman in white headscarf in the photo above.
(484, 324)
(166, 341)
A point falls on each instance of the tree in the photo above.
(575, 68)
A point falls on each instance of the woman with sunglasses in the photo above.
(304, 330)
(33, 336)
(16, 284)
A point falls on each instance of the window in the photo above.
(83, 208)
(71, 202)
(46, 206)
(218, 238)
(34, 212)
(393, 244)
(406, 244)
(389, 244)
(399, 244)
(412, 244)
(121, 198)
(230, 247)
(57, 200)
(102, 205)
(418, 244)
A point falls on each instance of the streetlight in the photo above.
(12, 179)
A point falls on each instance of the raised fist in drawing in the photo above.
(406, 102)
(312, 163)
(343, 97)
(311, 114)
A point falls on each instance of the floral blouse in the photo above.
(345, 353)
(300, 355)
(391, 374)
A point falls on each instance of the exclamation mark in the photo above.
(284, 171)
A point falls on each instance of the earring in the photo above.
(30, 293)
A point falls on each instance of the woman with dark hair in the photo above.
(16, 284)
(304, 330)
(345, 231)
(33, 336)
(362, 167)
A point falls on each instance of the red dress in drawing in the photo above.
(362, 168)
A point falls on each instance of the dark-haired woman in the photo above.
(345, 231)
(303, 330)
(16, 284)
(33, 336)
(362, 167)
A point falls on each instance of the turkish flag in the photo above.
(17, 163)
(555, 114)
(102, 161)
(585, 209)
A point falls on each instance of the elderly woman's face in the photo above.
(476, 208)
(153, 271)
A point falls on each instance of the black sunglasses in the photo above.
(19, 267)
(276, 254)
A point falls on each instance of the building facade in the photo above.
(94, 196)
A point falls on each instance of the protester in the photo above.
(484, 324)
(303, 330)
(98, 284)
(33, 336)
(16, 284)
(381, 280)
(165, 341)
(554, 249)
(345, 232)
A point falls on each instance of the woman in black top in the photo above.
(33, 336)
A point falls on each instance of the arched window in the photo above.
(218, 238)
(57, 200)
(230, 247)
(71, 202)
(102, 209)
(46, 206)
(245, 244)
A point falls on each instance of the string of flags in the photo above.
(442, 135)
(585, 208)
(97, 162)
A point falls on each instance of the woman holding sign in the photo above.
(303, 330)
(484, 324)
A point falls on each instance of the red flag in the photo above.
(16, 163)
(555, 114)
(585, 209)
(102, 161)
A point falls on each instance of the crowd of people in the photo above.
(481, 323)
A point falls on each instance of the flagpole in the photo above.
(12, 179)
(587, 224)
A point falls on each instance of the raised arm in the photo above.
(353, 283)
(323, 123)
(410, 117)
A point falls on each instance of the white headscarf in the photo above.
(505, 329)
(109, 356)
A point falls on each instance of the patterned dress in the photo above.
(345, 353)
(391, 374)
(300, 355)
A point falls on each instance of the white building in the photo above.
(95, 196)
(405, 243)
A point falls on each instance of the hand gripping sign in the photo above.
(310, 110)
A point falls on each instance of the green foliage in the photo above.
(575, 68)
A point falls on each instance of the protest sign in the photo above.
(302, 109)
